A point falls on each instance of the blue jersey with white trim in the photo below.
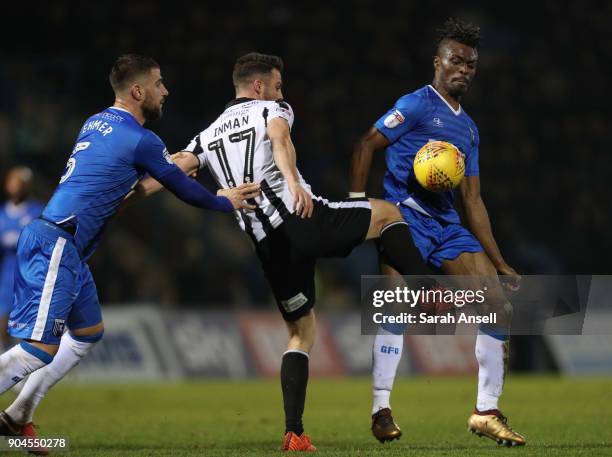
(112, 152)
(415, 119)
(13, 218)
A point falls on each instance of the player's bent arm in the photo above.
(284, 155)
(193, 193)
(283, 149)
(361, 159)
(479, 223)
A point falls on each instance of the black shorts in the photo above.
(289, 253)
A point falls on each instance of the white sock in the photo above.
(38, 384)
(491, 371)
(17, 387)
(386, 355)
(19, 361)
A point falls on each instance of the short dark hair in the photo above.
(254, 63)
(127, 68)
(460, 31)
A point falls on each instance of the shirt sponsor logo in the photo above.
(394, 119)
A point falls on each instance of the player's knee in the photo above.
(391, 214)
(97, 329)
(81, 341)
(302, 333)
(385, 212)
(90, 338)
(80, 345)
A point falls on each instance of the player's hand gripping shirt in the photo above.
(417, 118)
(112, 152)
(236, 149)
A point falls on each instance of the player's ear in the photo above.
(258, 86)
(137, 92)
(436, 62)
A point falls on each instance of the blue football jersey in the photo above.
(417, 118)
(112, 152)
(13, 218)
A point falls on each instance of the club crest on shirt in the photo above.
(394, 119)
(438, 122)
(59, 325)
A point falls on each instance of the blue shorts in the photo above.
(53, 286)
(438, 241)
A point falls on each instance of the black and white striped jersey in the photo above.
(237, 150)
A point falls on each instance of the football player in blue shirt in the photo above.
(54, 288)
(17, 212)
(434, 112)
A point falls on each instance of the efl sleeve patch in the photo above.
(394, 119)
(282, 109)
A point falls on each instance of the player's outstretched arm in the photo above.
(361, 160)
(193, 193)
(190, 164)
(148, 186)
(480, 225)
(284, 154)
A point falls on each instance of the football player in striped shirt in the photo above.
(290, 226)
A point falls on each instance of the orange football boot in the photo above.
(28, 431)
(294, 442)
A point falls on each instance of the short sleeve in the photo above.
(195, 147)
(280, 108)
(402, 118)
(471, 160)
(152, 156)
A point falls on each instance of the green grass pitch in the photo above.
(560, 417)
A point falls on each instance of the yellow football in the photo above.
(439, 166)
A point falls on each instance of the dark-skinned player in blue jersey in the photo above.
(430, 113)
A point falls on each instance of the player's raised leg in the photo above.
(387, 224)
(491, 352)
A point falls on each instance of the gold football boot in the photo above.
(384, 427)
(494, 425)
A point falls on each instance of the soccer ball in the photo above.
(439, 166)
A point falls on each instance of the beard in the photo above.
(150, 111)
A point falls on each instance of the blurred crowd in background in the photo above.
(539, 100)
